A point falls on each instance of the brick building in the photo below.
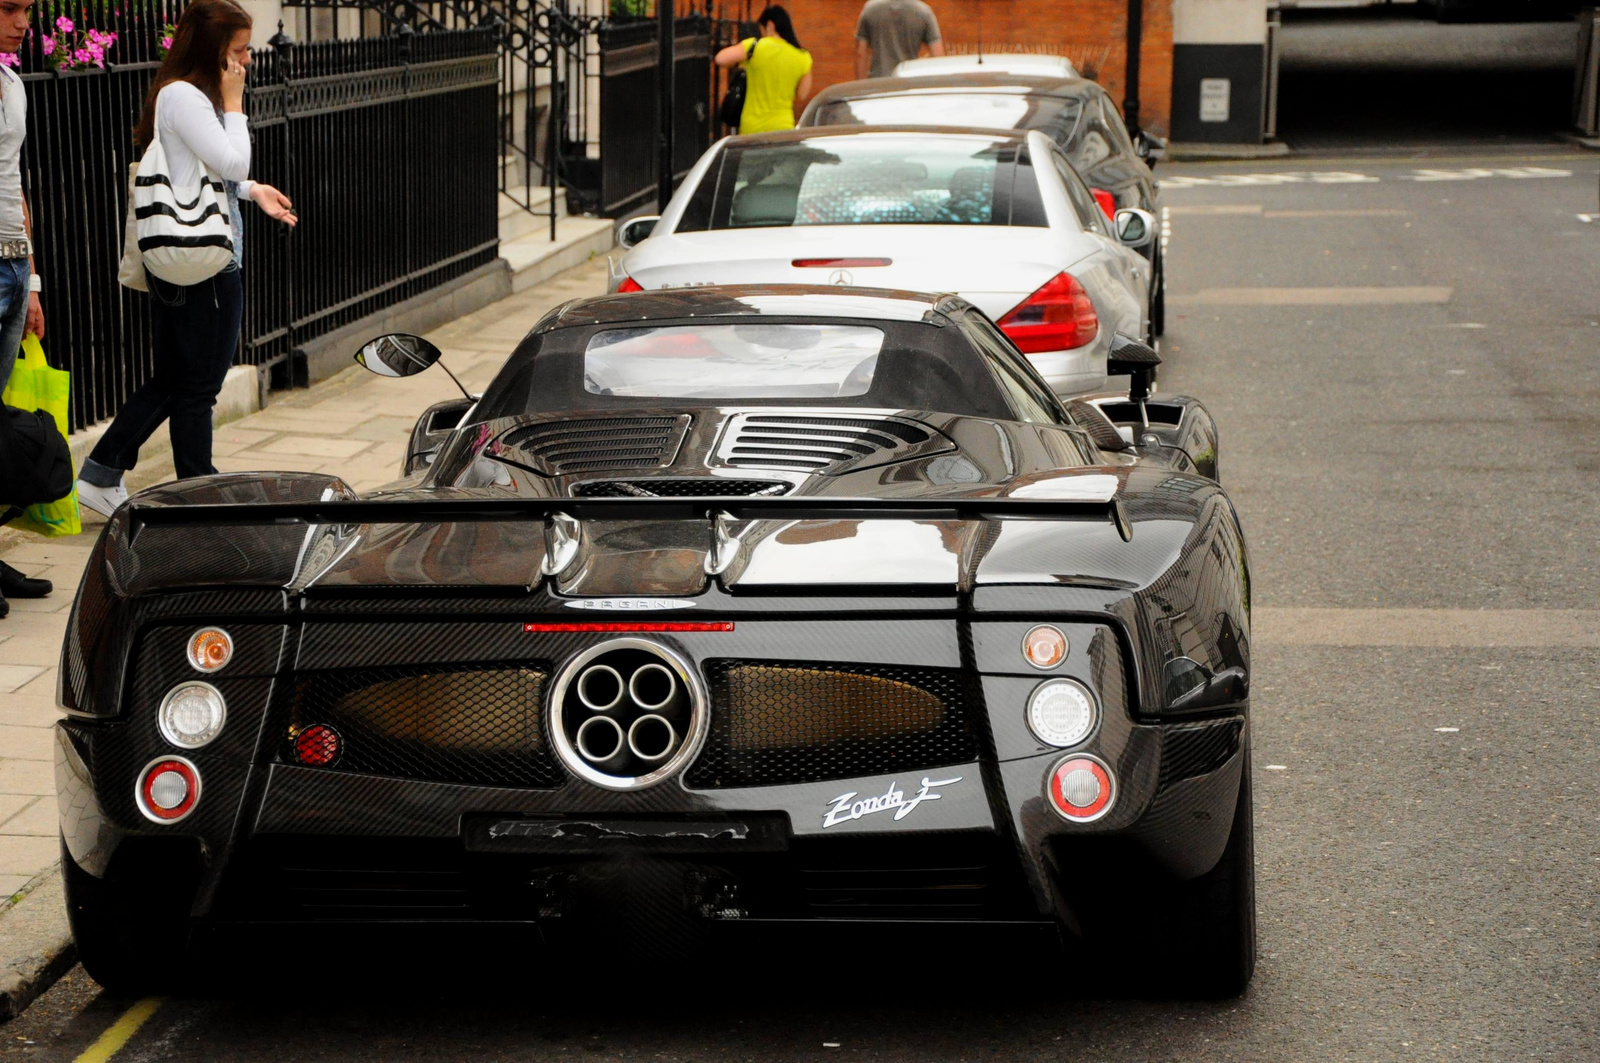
(1092, 33)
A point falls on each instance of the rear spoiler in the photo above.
(803, 507)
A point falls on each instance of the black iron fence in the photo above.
(387, 146)
(624, 176)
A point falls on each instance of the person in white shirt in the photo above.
(198, 100)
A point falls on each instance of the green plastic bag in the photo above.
(35, 386)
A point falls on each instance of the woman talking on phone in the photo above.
(198, 100)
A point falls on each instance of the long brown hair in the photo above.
(198, 45)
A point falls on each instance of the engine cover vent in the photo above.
(595, 444)
(681, 487)
(824, 444)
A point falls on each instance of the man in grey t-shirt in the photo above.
(892, 31)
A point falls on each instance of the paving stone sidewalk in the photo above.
(354, 424)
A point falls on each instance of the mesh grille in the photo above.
(774, 724)
(468, 725)
(680, 487)
(598, 443)
(1190, 751)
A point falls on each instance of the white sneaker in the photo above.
(103, 500)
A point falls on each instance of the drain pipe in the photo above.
(1130, 98)
(664, 80)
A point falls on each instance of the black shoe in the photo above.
(14, 584)
(5, 607)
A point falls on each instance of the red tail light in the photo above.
(1107, 201)
(839, 263)
(1057, 317)
(318, 745)
(629, 285)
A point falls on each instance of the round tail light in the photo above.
(1061, 712)
(210, 648)
(168, 789)
(318, 746)
(1044, 646)
(192, 714)
(1081, 789)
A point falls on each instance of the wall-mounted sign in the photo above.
(1214, 94)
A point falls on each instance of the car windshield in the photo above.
(749, 360)
(975, 110)
(865, 180)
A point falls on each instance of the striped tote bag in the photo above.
(185, 234)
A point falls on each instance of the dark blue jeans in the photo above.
(196, 335)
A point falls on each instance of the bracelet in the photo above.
(34, 284)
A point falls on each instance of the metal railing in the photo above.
(576, 91)
(387, 147)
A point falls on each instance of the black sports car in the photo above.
(737, 606)
(1076, 113)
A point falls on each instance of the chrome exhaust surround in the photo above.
(649, 680)
(627, 713)
(609, 679)
(651, 738)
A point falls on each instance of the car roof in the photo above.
(1000, 84)
(746, 300)
(1016, 62)
(794, 136)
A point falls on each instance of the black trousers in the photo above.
(196, 335)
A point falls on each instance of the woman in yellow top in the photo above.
(777, 69)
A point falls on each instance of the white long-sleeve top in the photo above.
(186, 121)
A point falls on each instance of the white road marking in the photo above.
(1347, 296)
(1578, 628)
(1515, 173)
(1347, 177)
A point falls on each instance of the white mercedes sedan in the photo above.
(999, 218)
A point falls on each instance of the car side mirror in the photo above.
(432, 429)
(1131, 358)
(398, 354)
(1191, 685)
(1152, 149)
(635, 231)
(1134, 227)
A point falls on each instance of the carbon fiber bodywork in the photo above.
(863, 748)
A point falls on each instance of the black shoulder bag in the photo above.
(732, 108)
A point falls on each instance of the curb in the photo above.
(36, 946)
(1194, 151)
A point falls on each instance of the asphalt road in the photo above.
(1428, 817)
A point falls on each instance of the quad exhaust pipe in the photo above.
(652, 739)
(600, 687)
(652, 686)
(601, 743)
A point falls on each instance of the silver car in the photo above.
(1000, 218)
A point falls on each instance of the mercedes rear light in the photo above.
(1057, 317)
(629, 285)
(1107, 201)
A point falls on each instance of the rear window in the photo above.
(976, 110)
(871, 179)
(753, 360)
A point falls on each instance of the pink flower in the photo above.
(10, 59)
(64, 24)
(166, 44)
(83, 55)
(48, 44)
